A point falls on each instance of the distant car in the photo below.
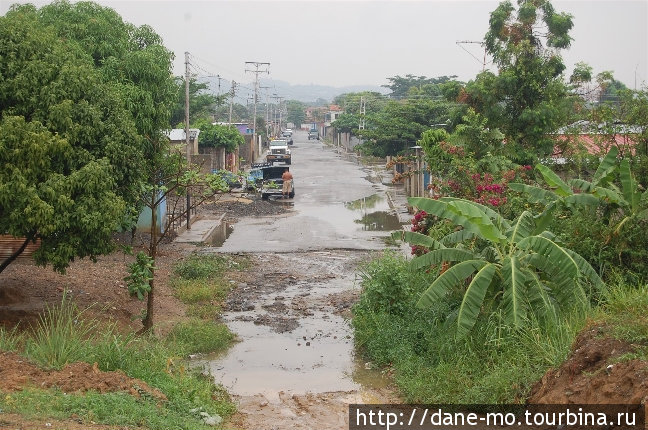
(232, 180)
(313, 134)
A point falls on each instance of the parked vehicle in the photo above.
(313, 134)
(272, 183)
(278, 151)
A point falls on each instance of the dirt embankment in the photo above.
(595, 373)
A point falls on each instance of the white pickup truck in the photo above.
(278, 151)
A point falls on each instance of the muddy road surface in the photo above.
(294, 366)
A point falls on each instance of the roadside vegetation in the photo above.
(514, 253)
(65, 335)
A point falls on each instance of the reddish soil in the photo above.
(594, 374)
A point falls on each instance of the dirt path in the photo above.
(294, 366)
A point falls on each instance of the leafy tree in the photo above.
(499, 266)
(46, 195)
(410, 85)
(397, 127)
(219, 136)
(202, 105)
(350, 102)
(527, 99)
(169, 180)
(296, 112)
(100, 91)
(346, 123)
(240, 113)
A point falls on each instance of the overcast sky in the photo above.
(341, 43)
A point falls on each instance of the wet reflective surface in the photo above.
(290, 314)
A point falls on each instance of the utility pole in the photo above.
(187, 135)
(256, 72)
(267, 117)
(363, 111)
(232, 93)
(277, 108)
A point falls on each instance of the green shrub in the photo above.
(494, 364)
(389, 286)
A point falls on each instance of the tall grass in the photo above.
(60, 335)
(10, 340)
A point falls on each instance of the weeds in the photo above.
(10, 339)
(60, 335)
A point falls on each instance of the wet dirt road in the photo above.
(294, 366)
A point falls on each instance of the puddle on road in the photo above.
(317, 356)
(376, 213)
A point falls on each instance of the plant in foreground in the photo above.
(500, 266)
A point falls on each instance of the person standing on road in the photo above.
(287, 178)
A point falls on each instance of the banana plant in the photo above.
(632, 203)
(505, 265)
(561, 194)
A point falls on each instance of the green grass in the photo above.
(65, 335)
(495, 364)
(60, 336)
(624, 313)
(202, 336)
(10, 340)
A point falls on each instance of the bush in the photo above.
(389, 286)
(495, 364)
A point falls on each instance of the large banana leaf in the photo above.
(431, 206)
(440, 255)
(460, 212)
(449, 279)
(553, 180)
(539, 299)
(556, 257)
(473, 299)
(629, 186)
(586, 270)
(544, 219)
(515, 294)
(582, 199)
(500, 221)
(534, 194)
(611, 195)
(440, 209)
(522, 227)
(478, 221)
(581, 184)
(414, 238)
(605, 170)
(457, 237)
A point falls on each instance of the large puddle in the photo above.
(375, 213)
(312, 352)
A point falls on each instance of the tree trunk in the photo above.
(148, 320)
(16, 254)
